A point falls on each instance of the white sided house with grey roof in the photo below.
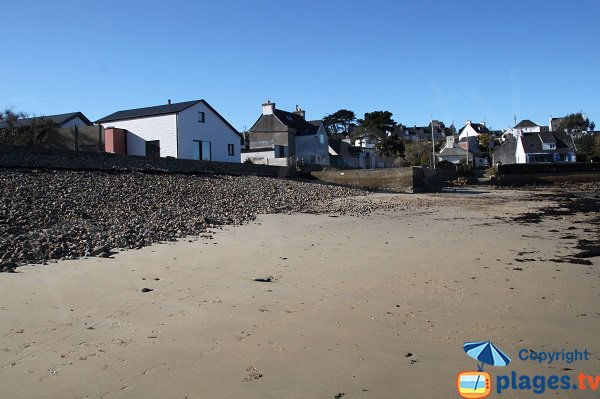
(545, 147)
(185, 130)
(471, 129)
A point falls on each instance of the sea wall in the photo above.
(410, 179)
(548, 173)
(46, 158)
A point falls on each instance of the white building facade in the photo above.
(187, 130)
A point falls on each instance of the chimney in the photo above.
(169, 101)
(268, 108)
(468, 122)
(450, 142)
(300, 111)
(482, 123)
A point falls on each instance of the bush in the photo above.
(401, 162)
(417, 154)
(491, 172)
(445, 165)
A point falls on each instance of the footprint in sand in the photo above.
(157, 369)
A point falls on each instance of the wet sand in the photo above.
(363, 307)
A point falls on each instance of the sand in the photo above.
(373, 307)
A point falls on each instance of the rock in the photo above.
(99, 250)
(74, 221)
(56, 253)
(147, 290)
(8, 267)
(267, 279)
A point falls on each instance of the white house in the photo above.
(471, 129)
(527, 126)
(185, 130)
(342, 154)
(456, 153)
(545, 147)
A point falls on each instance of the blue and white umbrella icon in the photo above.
(486, 353)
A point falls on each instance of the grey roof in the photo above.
(454, 151)
(524, 124)
(296, 122)
(165, 109)
(343, 148)
(59, 119)
(505, 154)
(479, 128)
(532, 143)
(547, 138)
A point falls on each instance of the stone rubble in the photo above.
(50, 215)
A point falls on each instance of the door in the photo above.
(153, 149)
(202, 150)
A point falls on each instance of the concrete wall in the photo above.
(548, 173)
(411, 179)
(44, 158)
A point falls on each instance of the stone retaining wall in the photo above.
(411, 179)
(45, 158)
(548, 173)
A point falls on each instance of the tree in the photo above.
(375, 125)
(576, 124)
(585, 147)
(340, 122)
(417, 154)
(36, 132)
(450, 131)
(484, 142)
(391, 146)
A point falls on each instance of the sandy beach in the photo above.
(358, 307)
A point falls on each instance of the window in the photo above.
(202, 150)
(200, 116)
(230, 150)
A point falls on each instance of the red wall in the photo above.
(115, 140)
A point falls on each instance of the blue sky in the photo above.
(457, 60)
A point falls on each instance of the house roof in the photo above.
(454, 151)
(297, 122)
(343, 148)
(157, 110)
(505, 154)
(524, 124)
(478, 127)
(533, 143)
(165, 109)
(59, 119)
